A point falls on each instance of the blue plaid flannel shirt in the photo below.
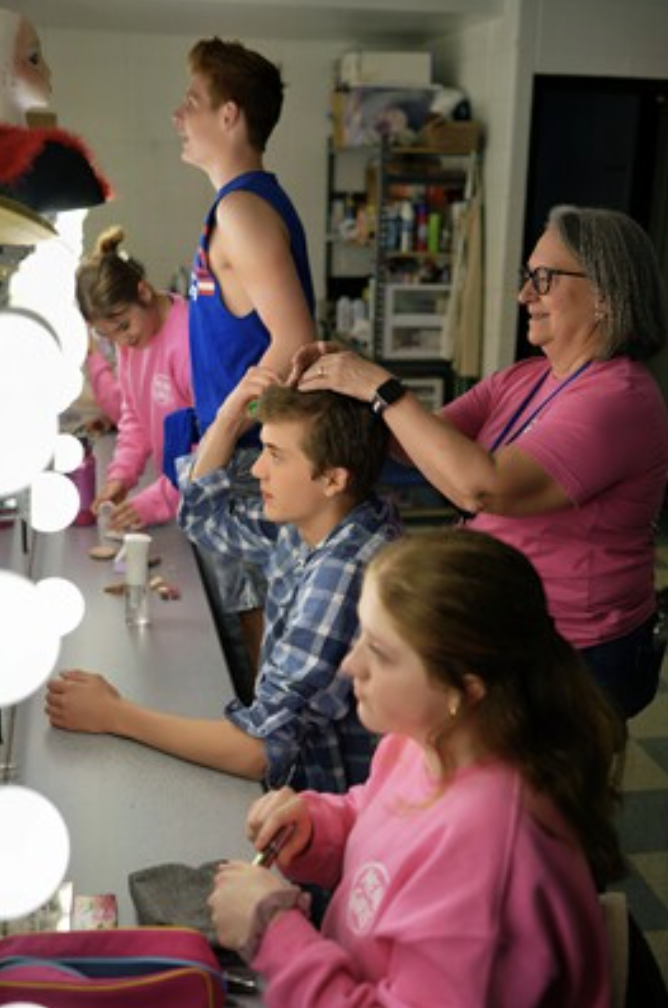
(302, 710)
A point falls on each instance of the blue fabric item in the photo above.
(181, 434)
(304, 712)
(222, 345)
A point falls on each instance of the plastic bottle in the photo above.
(362, 226)
(407, 225)
(421, 228)
(392, 229)
(434, 232)
(348, 227)
(371, 221)
(135, 549)
(344, 315)
(359, 311)
(337, 214)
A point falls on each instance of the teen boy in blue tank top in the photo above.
(251, 290)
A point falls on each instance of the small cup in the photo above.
(104, 514)
(136, 605)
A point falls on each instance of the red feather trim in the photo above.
(21, 145)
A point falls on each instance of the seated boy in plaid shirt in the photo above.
(312, 531)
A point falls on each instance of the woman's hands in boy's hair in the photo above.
(332, 367)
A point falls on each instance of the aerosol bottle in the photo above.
(84, 479)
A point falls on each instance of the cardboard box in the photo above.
(403, 69)
(451, 136)
(363, 115)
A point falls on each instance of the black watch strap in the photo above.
(386, 394)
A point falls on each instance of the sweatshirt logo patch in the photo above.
(366, 895)
(162, 390)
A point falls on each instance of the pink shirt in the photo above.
(104, 383)
(604, 439)
(469, 897)
(154, 381)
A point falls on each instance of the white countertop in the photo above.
(128, 806)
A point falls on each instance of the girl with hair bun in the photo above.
(149, 329)
(465, 869)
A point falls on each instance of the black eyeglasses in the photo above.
(541, 277)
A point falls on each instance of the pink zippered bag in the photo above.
(121, 968)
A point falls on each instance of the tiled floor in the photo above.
(644, 823)
(644, 816)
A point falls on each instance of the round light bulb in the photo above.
(70, 384)
(23, 1004)
(25, 448)
(34, 851)
(68, 454)
(63, 604)
(30, 361)
(29, 645)
(54, 502)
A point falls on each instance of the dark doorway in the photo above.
(597, 142)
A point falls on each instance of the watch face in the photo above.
(390, 391)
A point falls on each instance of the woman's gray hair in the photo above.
(619, 259)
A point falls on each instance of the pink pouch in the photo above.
(122, 968)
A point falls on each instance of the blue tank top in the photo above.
(222, 345)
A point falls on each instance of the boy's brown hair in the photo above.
(341, 432)
(235, 73)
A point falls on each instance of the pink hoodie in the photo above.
(466, 896)
(105, 385)
(154, 381)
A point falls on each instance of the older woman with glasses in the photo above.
(563, 455)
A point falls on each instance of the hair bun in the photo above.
(109, 241)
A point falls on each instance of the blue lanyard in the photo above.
(505, 436)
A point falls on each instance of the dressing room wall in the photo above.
(118, 92)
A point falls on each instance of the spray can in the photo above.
(83, 478)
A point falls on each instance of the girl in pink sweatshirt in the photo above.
(150, 331)
(101, 374)
(463, 872)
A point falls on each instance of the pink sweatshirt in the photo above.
(470, 897)
(154, 382)
(604, 439)
(105, 385)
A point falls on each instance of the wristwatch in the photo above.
(386, 394)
